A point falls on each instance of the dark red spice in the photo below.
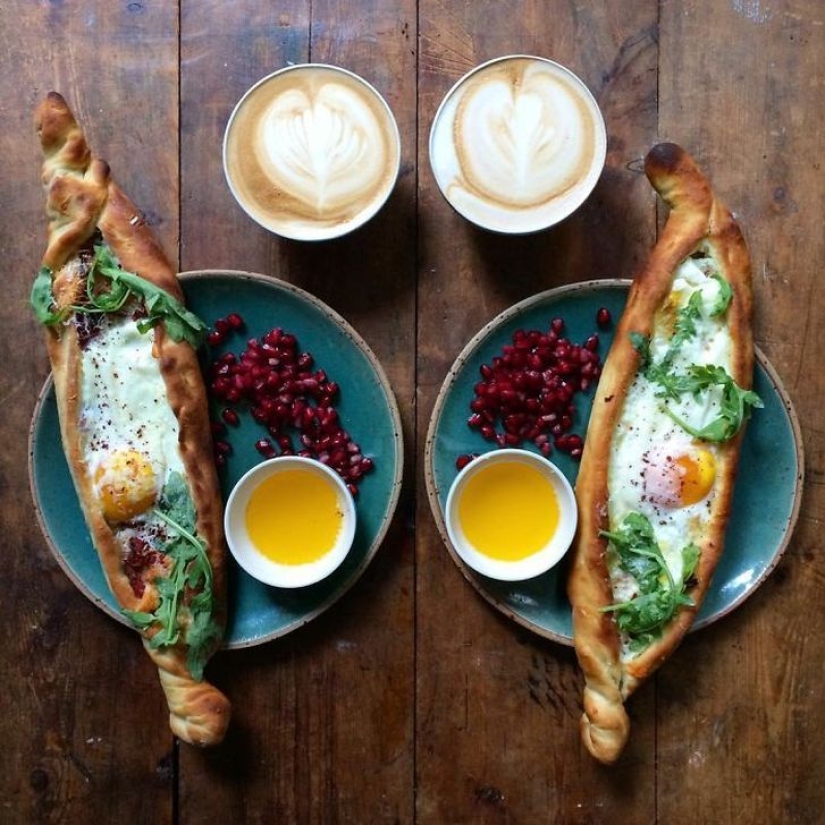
(141, 556)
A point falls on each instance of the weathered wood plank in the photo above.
(84, 721)
(498, 708)
(738, 710)
(323, 718)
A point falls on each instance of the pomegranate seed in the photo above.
(527, 392)
(223, 447)
(263, 445)
(603, 318)
(215, 338)
(275, 382)
(463, 460)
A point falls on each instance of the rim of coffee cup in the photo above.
(596, 168)
(366, 214)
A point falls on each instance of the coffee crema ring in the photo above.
(517, 144)
(311, 152)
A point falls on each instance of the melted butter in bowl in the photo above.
(290, 521)
(511, 515)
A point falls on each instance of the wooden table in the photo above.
(411, 699)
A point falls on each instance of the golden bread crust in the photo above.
(695, 217)
(82, 200)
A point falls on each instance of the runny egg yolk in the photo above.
(126, 485)
(294, 517)
(679, 480)
(508, 511)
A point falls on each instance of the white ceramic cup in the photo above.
(311, 152)
(517, 144)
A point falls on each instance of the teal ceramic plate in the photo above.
(257, 613)
(766, 501)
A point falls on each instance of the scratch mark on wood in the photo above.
(753, 10)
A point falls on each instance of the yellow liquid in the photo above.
(294, 517)
(508, 510)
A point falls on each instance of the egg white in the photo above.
(644, 432)
(123, 403)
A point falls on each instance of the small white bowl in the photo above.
(531, 565)
(261, 567)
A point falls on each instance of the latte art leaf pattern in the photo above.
(326, 150)
(517, 144)
(311, 152)
(521, 143)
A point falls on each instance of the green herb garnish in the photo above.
(42, 300)
(190, 571)
(641, 343)
(684, 328)
(736, 403)
(109, 288)
(724, 298)
(659, 598)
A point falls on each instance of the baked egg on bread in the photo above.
(657, 472)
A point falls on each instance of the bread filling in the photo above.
(681, 407)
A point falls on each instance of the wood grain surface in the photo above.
(412, 700)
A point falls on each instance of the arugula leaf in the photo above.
(736, 402)
(641, 343)
(42, 300)
(660, 597)
(724, 298)
(181, 323)
(684, 328)
(690, 560)
(190, 572)
(109, 288)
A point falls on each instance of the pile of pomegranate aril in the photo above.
(527, 393)
(281, 388)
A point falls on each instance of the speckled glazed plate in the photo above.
(766, 501)
(257, 613)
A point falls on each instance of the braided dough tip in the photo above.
(198, 712)
(605, 728)
(605, 725)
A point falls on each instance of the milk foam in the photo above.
(310, 153)
(517, 145)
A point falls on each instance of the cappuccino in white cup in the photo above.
(517, 144)
(311, 152)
